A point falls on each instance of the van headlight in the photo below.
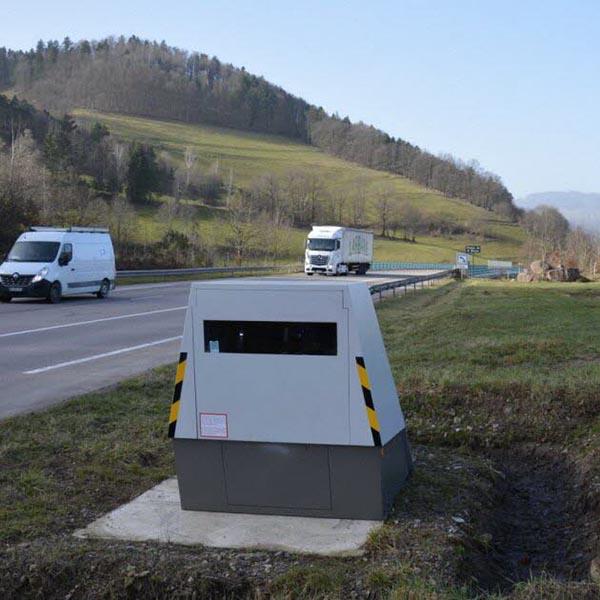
(40, 275)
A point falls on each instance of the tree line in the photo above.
(552, 240)
(145, 78)
(54, 172)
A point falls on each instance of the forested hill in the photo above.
(140, 77)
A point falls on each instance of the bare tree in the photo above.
(267, 197)
(302, 195)
(582, 250)
(384, 206)
(229, 189)
(119, 152)
(358, 202)
(242, 229)
(22, 172)
(23, 183)
(314, 189)
(338, 201)
(190, 158)
(410, 218)
(122, 220)
(547, 230)
(295, 198)
(478, 227)
(169, 211)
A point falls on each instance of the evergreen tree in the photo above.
(99, 132)
(58, 144)
(142, 173)
(4, 68)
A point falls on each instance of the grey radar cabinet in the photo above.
(285, 403)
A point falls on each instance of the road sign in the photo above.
(462, 260)
(473, 249)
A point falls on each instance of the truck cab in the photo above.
(49, 262)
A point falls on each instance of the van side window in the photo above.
(270, 337)
(68, 250)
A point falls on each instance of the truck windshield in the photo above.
(43, 252)
(321, 244)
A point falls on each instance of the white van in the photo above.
(49, 262)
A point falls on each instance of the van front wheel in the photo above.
(104, 289)
(5, 298)
(55, 293)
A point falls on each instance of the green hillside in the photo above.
(245, 156)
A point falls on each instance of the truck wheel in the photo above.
(55, 293)
(310, 274)
(5, 298)
(104, 289)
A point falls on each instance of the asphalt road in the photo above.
(51, 352)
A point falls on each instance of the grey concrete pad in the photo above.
(156, 515)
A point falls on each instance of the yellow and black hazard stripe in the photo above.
(177, 393)
(363, 377)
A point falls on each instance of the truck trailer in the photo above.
(338, 251)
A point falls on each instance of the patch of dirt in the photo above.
(533, 525)
(483, 520)
(414, 544)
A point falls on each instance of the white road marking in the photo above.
(145, 286)
(98, 356)
(91, 322)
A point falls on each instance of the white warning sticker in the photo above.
(213, 425)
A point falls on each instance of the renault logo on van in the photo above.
(15, 277)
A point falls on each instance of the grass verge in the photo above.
(468, 408)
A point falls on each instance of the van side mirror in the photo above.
(66, 255)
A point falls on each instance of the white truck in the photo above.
(50, 262)
(338, 251)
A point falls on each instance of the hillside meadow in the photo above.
(245, 156)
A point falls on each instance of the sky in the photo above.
(513, 84)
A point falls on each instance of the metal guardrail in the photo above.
(484, 272)
(375, 289)
(476, 271)
(411, 281)
(201, 270)
(410, 266)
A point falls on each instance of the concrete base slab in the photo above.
(156, 515)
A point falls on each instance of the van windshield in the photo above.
(42, 252)
(321, 244)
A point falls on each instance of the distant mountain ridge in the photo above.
(144, 78)
(579, 208)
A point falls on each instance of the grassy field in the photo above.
(249, 155)
(503, 350)
(500, 386)
(468, 333)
